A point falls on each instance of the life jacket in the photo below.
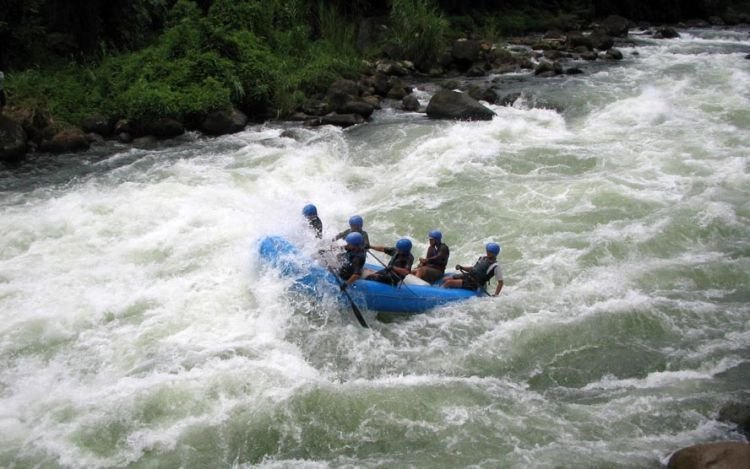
(433, 251)
(483, 270)
(316, 224)
(403, 261)
(351, 263)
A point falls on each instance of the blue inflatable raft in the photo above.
(313, 277)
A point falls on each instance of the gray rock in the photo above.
(573, 71)
(124, 137)
(357, 106)
(339, 120)
(614, 54)
(547, 68)
(577, 40)
(340, 92)
(410, 103)
(147, 142)
(666, 32)
(601, 40)
(447, 104)
(724, 455)
(738, 414)
(13, 140)
(509, 99)
(225, 121)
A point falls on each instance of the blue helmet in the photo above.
(403, 245)
(309, 210)
(355, 239)
(494, 248)
(438, 236)
(357, 221)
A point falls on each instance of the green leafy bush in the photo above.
(418, 30)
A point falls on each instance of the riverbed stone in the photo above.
(13, 140)
(410, 103)
(614, 54)
(339, 120)
(68, 140)
(224, 121)
(465, 52)
(723, 455)
(666, 32)
(446, 104)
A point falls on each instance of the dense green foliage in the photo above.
(257, 55)
(145, 59)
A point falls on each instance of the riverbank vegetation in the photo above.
(151, 59)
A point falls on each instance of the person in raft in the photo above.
(352, 260)
(399, 266)
(310, 212)
(355, 226)
(480, 273)
(432, 267)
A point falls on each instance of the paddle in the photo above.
(467, 272)
(355, 309)
(393, 274)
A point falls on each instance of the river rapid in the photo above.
(138, 329)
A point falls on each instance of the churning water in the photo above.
(138, 329)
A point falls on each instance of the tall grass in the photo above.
(418, 30)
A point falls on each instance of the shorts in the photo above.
(431, 274)
(384, 276)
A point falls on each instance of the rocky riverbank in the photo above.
(347, 102)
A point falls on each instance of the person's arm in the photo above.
(498, 287)
(499, 278)
(377, 248)
(353, 279)
(404, 271)
(341, 235)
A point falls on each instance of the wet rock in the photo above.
(554, 55)
(123, 126)
(509, 99)
(716, 21)
(737, 413)
(340, 92)
(146, 142)
(747, 57)
(547, 68)
(357, 106)
(382, 84)
(94, 138)
(225, 121)
(316, 107)
(666, 32)
(68, 140)
(447, 104)
(616, 26)
(13, 140)
(373, 101)
(614, 54)
(35, 122)
(573, 71)
(724, 455)
(697, 23)
(589, 55)
(339, 120)
(410, 103)
(163, 128)
(476, 70)
(98, 125)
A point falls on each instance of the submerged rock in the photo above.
(339, 120)
(410, 103)
(448, 104)
(738, 414)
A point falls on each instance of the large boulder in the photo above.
(410, 103)
(225, 121)
(13, 140)
(448, 104)
(616, 26)
(666, 32)
(340, 92)
(67, 140)
(548, 68)
(725, 455)
(577, 40)
(601, 40)
(163, 128)
(357, 106)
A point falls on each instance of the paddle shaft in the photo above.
(355, 308)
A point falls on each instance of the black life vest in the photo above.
(483, 270)
(352, 262)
